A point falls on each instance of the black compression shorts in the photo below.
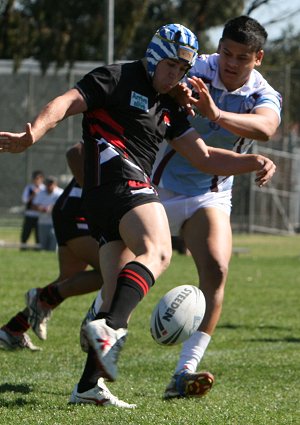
(106, 205)
(67, 227)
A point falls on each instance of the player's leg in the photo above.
(13, 334)
(103, 299)
(73, 280)
(76, 254)
(144, 231)
(114, 258)
(73, 258)
(39, 310)
(207, 235)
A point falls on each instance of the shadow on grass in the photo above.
(13, 388)
(270, 327)
(284, 339)
(21, 388)
(289, 339)
(19, 402)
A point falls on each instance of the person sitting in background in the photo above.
(43, 204)
(30, 221)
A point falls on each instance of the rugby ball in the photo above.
(177, 315)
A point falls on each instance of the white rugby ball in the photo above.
(177, 315)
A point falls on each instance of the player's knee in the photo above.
(165, 258)
(161, 255)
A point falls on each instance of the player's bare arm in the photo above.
(70, 103)
(222, 162)
(259, 125)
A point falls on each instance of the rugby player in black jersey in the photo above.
(127, 113)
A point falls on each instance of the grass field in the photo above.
(254, 354)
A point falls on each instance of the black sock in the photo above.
(90, 373)
(50, 295)
(18, 324)
(134, 281)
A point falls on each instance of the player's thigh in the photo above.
(68, 263)
(145, 228)
(85, 250)
(207, 234)
(76, 255)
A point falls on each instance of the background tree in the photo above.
(283, 54)
(70, 30)
(63, 32)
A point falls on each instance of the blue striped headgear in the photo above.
(173, 41)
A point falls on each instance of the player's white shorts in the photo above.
(180, 208)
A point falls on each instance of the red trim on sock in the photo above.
(136, 278)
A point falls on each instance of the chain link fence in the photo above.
(271, 209)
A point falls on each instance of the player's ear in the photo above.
(259, 57)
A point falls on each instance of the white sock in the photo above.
(192, 351)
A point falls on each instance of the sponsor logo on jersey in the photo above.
(139, 101)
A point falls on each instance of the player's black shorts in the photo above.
(106, 205)
(68, 226)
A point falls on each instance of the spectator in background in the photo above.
(43, 204)
(30, 222)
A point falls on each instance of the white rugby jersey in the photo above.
(172, 171)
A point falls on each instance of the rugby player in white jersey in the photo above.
(236, 106)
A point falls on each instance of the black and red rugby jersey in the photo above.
(125, 122)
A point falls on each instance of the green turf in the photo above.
(254, 353)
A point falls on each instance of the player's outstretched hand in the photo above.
(203, 102)
(16, 142)
(266, 172)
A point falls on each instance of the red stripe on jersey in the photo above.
(135, 184)
(129, 274)
(103, 116)
(95, 129)
(161, 166)
(81, 219)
